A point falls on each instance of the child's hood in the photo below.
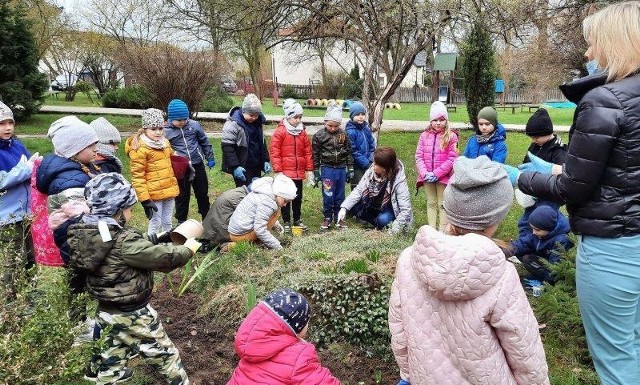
(262, 335)
(456, 268)
(263, 186)
(88, 250)
(351, 125)
(562, 227)
(500, 133)
(235, 114)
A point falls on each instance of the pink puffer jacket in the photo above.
(459, 316)
(431, 157)
(270, 353)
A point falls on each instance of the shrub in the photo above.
(351, 309)
(216, 100)
(290, 92)
(128, 97)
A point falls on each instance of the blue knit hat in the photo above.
(291, 306)
(544, 218)
(356, 108)
(177, 110)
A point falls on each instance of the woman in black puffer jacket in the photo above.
(600, 183)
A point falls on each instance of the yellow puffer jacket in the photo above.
(151, 173)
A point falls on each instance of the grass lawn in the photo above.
(420, 112)
(229, 276)
(56, 98)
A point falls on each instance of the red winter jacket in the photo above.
(290, 154)
(270, 353)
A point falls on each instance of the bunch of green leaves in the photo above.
(350, 309)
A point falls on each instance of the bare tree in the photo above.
(98, 57)
(131, 22)
(387, 36)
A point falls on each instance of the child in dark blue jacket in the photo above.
(362, 142)
(548, 239)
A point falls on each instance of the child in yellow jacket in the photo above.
(151, 172)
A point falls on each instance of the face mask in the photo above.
(592, 67)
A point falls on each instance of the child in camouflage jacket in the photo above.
(119, 264)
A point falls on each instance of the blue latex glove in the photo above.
(403, 382)
(513, 173)
(238, 173)
(211, 163)
(430, 178)
(267, 167)
(536, 164)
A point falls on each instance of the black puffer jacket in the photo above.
(600, 182)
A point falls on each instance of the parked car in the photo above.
(57, 85)
(228, 84)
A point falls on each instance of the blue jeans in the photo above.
(608, 287)
(333, 181)
(379, 219)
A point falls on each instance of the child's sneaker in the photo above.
(300, 224)
(287, 228)
(342, 225)
(326, 223)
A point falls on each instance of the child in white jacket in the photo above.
(258, 212)
(458, 314)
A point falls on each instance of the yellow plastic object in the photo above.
(297, 231)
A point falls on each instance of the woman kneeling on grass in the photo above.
(382, 196)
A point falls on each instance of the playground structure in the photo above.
(444, 66)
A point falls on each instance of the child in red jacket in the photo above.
(271, 346)
(290, 152)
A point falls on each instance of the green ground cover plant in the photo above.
(360, 261)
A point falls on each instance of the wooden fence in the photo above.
(426, 94)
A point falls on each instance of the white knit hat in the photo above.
(71, 135)
(291, 108)
(152, 117)
(107, 132)
(438, 110)
(251, 104)
(334, 113)
(6, 113)
(284, 187)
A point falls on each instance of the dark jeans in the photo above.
(295, 205)
(379, 219)
(333, 181)
(249, 174)
(536, 268)
(200, 185)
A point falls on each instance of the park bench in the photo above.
(529, 107)
(452, 107)
(505, 107)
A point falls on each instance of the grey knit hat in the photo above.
(334, 113)
(489, 113)
(251, 104)
(291, 108)
(6, 113)
(107, 132)
(291, 306)
(151, 118)
(478, 195)
(71, 135)
(106, 194)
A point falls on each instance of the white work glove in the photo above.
(278, 227)
(29, 162)
(310, 179)
(342, 214)
(193, 245)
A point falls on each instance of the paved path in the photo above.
(313, 123)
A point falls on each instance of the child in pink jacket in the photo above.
(457, 313)
(437, 149)
(271, 346)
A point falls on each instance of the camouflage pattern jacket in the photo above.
(120, 272)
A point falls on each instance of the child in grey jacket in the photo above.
(259, 210)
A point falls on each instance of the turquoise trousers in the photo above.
(608, 286)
